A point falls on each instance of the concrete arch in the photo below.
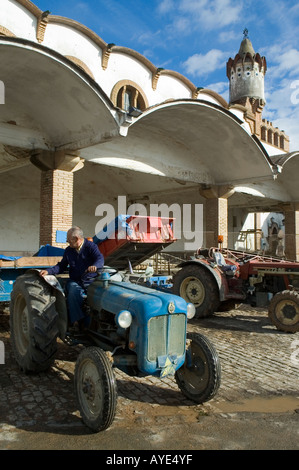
(50, 101)
(288, 175)
(80, 64)
(189, 140)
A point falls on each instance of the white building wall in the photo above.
(125, 67)
(19, 211)
(211, 99)
(20, 189)
(171, 87)
(105, 185)
(70, 42)
(18, 20)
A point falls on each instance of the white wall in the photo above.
(19, 210)
(70, 41)
(18, 20)
(97, 184)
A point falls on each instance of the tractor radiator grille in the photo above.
(166, 336)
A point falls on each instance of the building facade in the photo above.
(86, 125)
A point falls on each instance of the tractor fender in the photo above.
(215, 271)
(60, 302)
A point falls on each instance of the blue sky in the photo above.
(197, 37)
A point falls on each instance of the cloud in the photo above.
(222, 88)
(227, 36)
(287, 61)
(282, 108)
(290, 125)
(208, 15)
(82, 6)
(203, 64)
(212, 14)
(165, 6)
(219, 13)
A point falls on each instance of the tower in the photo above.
(246, 73)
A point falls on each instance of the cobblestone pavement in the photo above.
(260, 370)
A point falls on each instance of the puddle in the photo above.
(261, 405)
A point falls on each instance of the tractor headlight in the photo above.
(124, 319)
(190, 311)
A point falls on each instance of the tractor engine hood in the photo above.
(141, 301)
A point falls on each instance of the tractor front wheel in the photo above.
(199, 378)
(33, 323)
(284, 311)
(95, 388)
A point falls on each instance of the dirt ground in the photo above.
(256, 408)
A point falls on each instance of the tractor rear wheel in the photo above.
(33, 323)
(95, 388)
(199, 377)
(284, 311)
(196, 285)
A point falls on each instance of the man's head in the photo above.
(75, 237)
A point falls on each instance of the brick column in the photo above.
(216, 221)
(56, 197)
(216, 213)
(292, 233)
(56, 205)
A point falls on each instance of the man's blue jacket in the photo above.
(78, 262)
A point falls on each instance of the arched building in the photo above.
(83, 122)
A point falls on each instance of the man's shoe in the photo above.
(75, 328)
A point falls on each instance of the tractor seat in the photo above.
(219, 258)
(220, 261)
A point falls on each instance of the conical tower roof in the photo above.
(246, 48)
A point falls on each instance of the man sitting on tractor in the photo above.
(83, 258)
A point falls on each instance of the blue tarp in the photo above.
(119, 224)
(45, 250)
(49, 250)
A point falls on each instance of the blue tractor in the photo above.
(137, 329)
(133, 328)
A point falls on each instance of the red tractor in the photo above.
(217, 279)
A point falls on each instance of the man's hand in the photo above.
(43, 272)
(92, 269)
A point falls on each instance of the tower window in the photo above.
(270, 135)
(263, 133)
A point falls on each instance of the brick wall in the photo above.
(216, 221)
(56, 205)
(292, 234)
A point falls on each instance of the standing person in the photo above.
(83, 258)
